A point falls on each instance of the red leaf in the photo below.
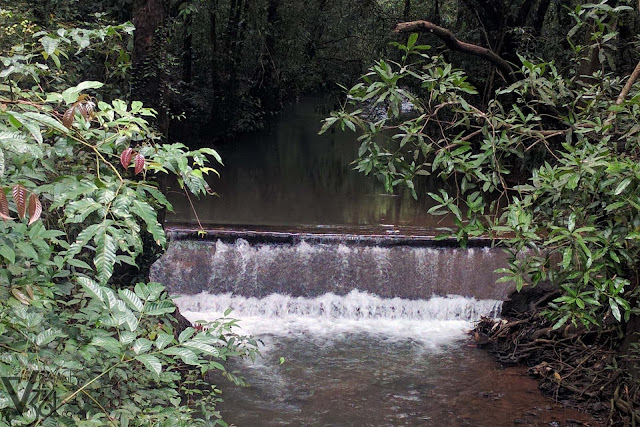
(35, 209)
(20, 197)
(4, 206)
(67, 118)
(125, 157)
(139, 161)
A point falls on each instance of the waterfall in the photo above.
(431, 323)
(310, 269)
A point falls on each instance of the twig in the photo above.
(193, 208)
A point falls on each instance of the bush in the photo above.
(549, 167)
(79, 196)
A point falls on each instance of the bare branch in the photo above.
(627, 87)
(453, 43)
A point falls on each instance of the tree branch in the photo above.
(627, 87)
(453, 43)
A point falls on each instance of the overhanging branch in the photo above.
(453, 43)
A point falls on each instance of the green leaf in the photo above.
(78, 263)
(33, 128)
(562, 321)
(92, 288)
(28, 250)
(186, 334)
(131, 320)
(70, 95)
(8, 253)
(149, 216)
(158, 308)
(45, 337)
(412, 40)
(571, 222)
(50, 45)
(566, 257)
(162, 340)
(82, 240)
(150, 362)
(187, 356)
(108, 343)
(131, 299)
(48, 121)
(624, 184)
(202, 347)
(142, 345)
(105, 258)
(615, 310)
(127, 337)
(154, 290)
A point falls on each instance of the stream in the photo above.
(374, 333)
(362, 360)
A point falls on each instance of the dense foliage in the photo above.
(79, 199)
(550, 166)
(229, 65)
(544, 159)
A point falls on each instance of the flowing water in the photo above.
(362, 360)
(310, 269)
(342, 281)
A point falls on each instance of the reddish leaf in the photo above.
(67, 118)
(35, 209)
(208, 189)
(20, 197)
(139, 161)
(20, 296)
(125, 157)
(4, 206)
(90, 108)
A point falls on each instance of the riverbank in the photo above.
(589, 370)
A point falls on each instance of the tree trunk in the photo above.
(436, 12)
(213, 40)
(187, 47)
(407, 10)
(147, 80)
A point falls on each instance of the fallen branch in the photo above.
(453, 43)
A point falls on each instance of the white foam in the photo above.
(433, 322)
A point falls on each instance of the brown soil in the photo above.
(577, 367)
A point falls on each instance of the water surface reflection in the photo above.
(291, 176)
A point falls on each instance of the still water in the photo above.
(362, 360)
(290, 176)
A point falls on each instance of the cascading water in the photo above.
(311, 269)
(432, 322)
(372, 334)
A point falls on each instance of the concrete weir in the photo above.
(256, 263)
